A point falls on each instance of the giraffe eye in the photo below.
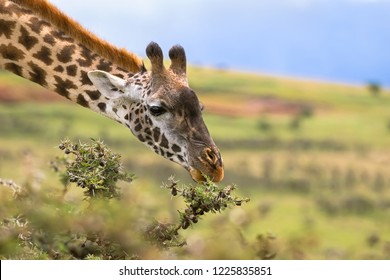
(157, 110)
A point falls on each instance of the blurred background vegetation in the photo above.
(313, 157)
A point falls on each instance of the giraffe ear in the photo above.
(112, 86)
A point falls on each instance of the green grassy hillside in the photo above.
(314, 157)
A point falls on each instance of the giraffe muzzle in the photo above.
(210, 165)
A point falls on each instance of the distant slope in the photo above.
(269, 94)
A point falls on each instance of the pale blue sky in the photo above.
(337, 40)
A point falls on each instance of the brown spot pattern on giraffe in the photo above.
(102, 106)
(44, 55)
(93, 94)
(65, 55)
(122, 76)
(156, 134)
(176, 148)
(180, 158)
(87, 58)
(38, 75)
(49, 40)
(6, 28)
(141, 138)
(148, 133)
(14, 68)
(104, 65)
(26, 40)
(84, 78)
(59, 68)
(62, 86)
(37, 25)
(138, 127)
(164, 142)
(10, 52)
(161, 152)
(81, 100)
(71, 70)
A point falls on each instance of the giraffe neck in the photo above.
(34, 49)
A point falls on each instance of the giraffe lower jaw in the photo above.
(199, 176)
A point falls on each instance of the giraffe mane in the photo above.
(119, 56)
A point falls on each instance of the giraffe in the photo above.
(41, 44)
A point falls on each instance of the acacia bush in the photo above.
(106, 223)
(94, 167)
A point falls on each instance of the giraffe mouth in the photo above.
(210, 166)
(199, 176)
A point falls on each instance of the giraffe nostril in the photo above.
(211, 156)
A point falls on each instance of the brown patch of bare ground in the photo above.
(256, 106)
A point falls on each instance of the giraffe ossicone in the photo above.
(43, 45)
(164, 113)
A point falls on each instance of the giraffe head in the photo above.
(163, 112)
